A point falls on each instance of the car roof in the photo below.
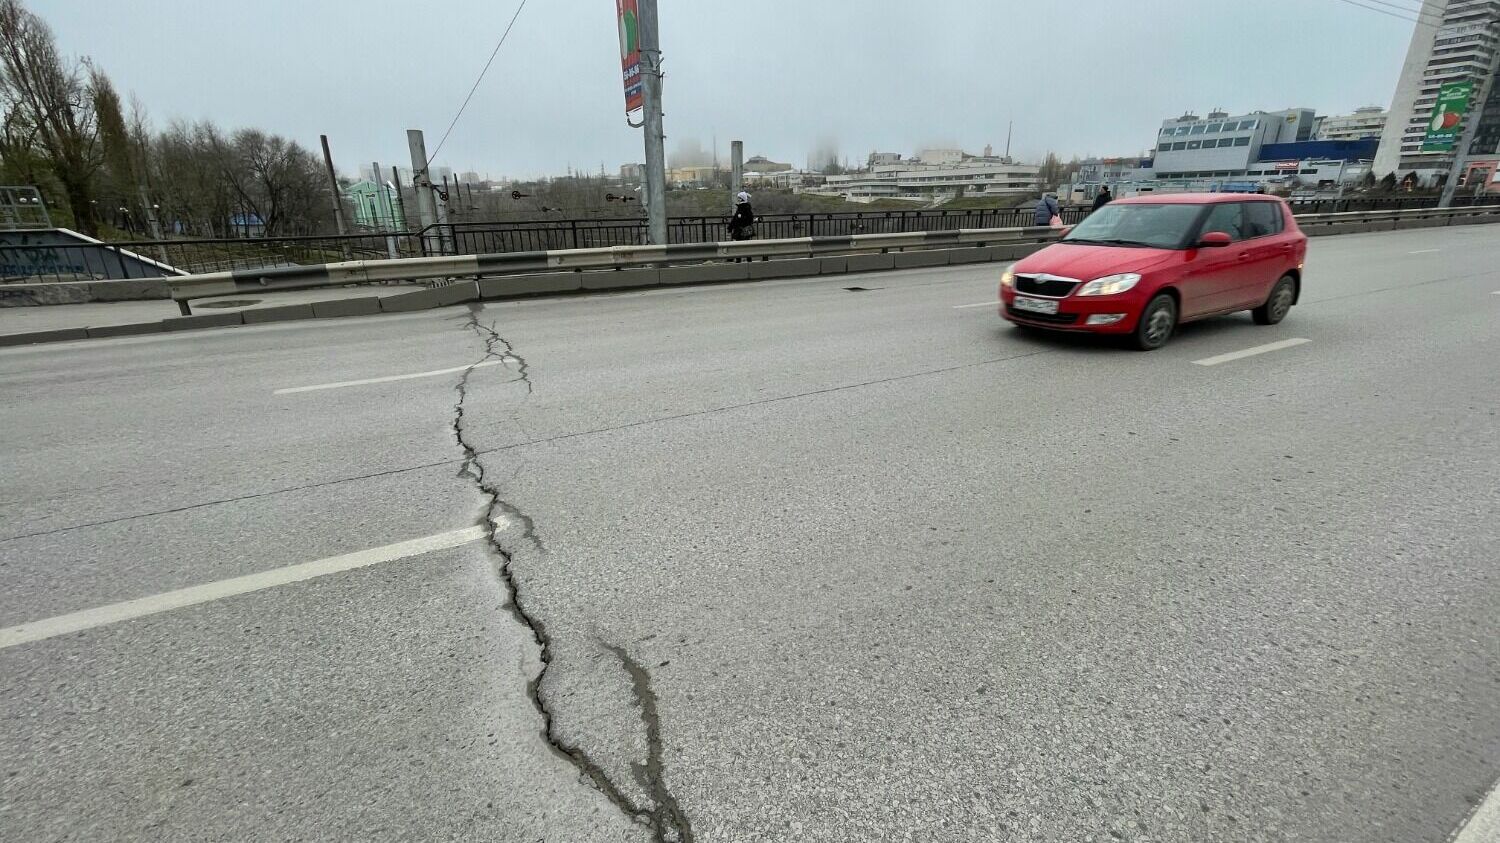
(1196, 198)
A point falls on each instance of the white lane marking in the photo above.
(1423, 251)
(1483, 826)
(1251, 352)
(387, 379)
(193, 595)
(995, 303)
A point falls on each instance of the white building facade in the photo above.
(1367, 122)
(937, 174)
(1221, 145)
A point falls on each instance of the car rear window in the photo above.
(1262, 218)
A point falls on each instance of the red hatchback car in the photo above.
(1141, 266)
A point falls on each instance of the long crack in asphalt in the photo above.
(667, 822)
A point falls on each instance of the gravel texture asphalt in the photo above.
(792, 562)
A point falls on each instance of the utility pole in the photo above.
(656, 156)
(333, 186)
(422, 185)
(1473, 115)
(446, 237)
(400, 201)
(386, 207)
(736, 170)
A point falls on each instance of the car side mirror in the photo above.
(1214, 240)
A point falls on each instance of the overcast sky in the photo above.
(1080, 77)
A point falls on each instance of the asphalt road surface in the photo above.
(800, 563)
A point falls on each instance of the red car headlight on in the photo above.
(1008, 279)
(1110, 285)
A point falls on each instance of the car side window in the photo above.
(1227, 217)
(1262, 219)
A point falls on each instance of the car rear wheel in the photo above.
(1157, 323)
(1278, 303)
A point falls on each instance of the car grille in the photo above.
(1054, 287)
(1049, 318)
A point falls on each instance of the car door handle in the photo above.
(1244, 256)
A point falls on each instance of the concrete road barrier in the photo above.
(914, 260)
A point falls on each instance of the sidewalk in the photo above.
(21, 320)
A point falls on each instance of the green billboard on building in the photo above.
(1447, 115)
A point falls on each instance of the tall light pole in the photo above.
(656, 156)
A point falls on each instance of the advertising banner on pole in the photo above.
(1447, 114)
(630, 53)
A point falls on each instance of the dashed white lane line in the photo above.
(1424, 251)
(1483, 826)
(1251, 352)
(981, 304)
(388, 378)
(208, 592)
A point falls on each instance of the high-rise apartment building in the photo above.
(1454, 41)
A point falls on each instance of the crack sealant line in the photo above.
(574, 755)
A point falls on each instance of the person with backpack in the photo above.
(1104, 198)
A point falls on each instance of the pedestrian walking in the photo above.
(1104, 198)
(1047, 210)
(742, 221)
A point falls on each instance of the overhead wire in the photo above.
(486, 69)
(1389, 13)
(1421, 10)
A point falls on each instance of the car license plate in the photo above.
(1035, 305)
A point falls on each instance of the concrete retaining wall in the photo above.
(83, 292)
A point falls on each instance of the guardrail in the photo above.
(187, 288)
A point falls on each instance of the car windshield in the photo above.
(1164, 226)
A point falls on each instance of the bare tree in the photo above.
(1052, 171)
(274, 178)
(50, 96)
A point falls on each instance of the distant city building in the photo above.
(632, 172)
(762, 164)
(1259, 151)
(703, 175)
(376, 205)
(469, 177)
(1115, 170)
(1365, 122)
(933, 175)
(942, 156)
(1462, 48)
(1221, 143)
(781, 179)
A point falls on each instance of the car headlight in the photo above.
(1110, 284)
(1008, 278)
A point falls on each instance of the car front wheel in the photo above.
(1157, 322)
(1277, 304)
